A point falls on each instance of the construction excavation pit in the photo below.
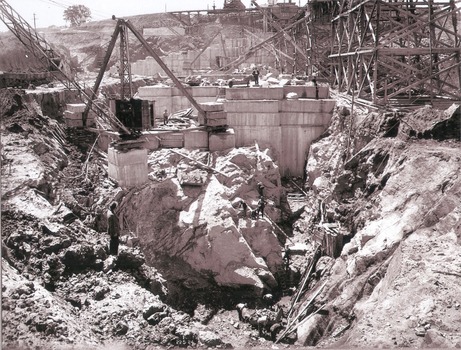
(272, 175)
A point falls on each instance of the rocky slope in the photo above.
(396, 197)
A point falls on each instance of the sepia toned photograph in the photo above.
(230, 174)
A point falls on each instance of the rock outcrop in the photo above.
(201, 229)
(394, 193)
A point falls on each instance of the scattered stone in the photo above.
(420, 331)
(121, 328)
(153, 308)
(100, 292)
(130, 259)
(210, 339)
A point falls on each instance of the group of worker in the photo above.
(259, 211)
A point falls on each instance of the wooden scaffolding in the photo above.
(392, 51)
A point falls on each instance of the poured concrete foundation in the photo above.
(261, 115)
(287, 126)
(128, 168)
(196, 139)
(222, 141)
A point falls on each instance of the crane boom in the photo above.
(59, 67)
(33, 41)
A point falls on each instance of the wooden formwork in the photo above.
(403, 49)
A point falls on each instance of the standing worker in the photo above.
(244, 207)
(113, 229)
(256, 76)
(261, 206)
(165, 117)
(260, 189)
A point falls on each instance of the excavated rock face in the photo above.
(395, 197)
(197, 234)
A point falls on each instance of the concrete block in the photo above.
(307, 105)
(171, 139)
(151, 141)
(129, 176)
(295, 143)
(128, 168)
(216, 118)
(272, 93)
(76, 107)
(222, 141)
(145, 92)
(306, 91)
(196, 139)
(239, 93)
(73, 115)
(265, 136)
(160, 104)
(176, 92)
(179, 102)
(132, 156)
(248, 106)
(74, 123)
(304, 119)
(204, 91)
(253, 119)
(212, 106)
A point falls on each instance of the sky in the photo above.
(50, 12)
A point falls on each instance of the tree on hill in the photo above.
(77, 14)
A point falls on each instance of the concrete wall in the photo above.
(261, 115)
(287, 126)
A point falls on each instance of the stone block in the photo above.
(253, 119)
(222, 141)
(307, 105)
(76, 107)
(146, 92)
(245, 93)
(196, 139)
(306, 91)
(171, 140)
(128, 168)
(128, 175)
(248, 106)
(132, 156)
(212, 106)
(73, 115)
(304, 119)
(204, 91)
